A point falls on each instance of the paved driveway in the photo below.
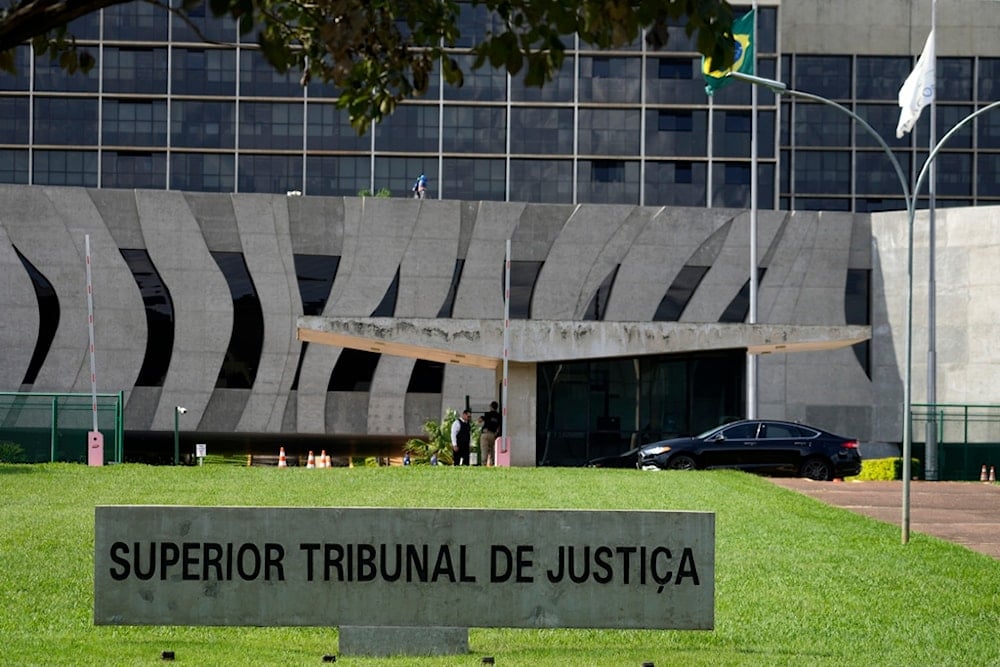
(967, 513)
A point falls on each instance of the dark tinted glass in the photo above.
(275, 174)
(159, 318)
(135, 69)
(133, 169)
(66, 121)
(48, 318)
(239, 368)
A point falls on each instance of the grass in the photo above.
(797, 582)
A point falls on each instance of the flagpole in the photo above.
(930, 449)
(752, 315)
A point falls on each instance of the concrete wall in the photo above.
(806, 256)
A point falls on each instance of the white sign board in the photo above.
(264, 566)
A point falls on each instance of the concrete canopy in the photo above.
(479, 343)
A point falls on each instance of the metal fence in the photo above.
(967, 436)
(40, 427)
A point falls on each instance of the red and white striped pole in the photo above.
(505, 433)
(95, 440)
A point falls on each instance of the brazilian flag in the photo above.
(742, 55)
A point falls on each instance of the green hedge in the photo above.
(888, 469)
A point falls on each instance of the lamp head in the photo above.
(181, 410)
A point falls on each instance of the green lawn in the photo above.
(797, 582)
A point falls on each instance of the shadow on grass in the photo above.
(17, 468)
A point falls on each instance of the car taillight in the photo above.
(850, 444)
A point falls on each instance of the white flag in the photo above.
(918, 89)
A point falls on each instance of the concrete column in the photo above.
(522, 412)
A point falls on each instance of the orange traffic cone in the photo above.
(282, 461)
(311, 461)
(327, 462)
(982, 474)
(993, 474)
(321, 461)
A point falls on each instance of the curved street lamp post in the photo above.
(909, 196)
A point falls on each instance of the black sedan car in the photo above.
(761, 446)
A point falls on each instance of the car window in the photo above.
(741, 431)
(772, 430)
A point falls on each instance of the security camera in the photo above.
(181, 410)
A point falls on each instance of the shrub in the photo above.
(438, 441)
(11, 452)
(887, 469)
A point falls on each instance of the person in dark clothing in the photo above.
(490, 425)
(461, 436)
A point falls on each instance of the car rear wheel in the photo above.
(681, 462)
(816, 469)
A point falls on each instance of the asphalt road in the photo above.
(967, 513)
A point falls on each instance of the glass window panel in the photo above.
(136, 22)
(821, 125)
(50, 77)
(678, 40)
(609, 79)
(609, 131)
(343, 176)
(879, 78)
(134, 122)
(827, 76)
(204, 72)
(87, 26)
(202, 172)
(239, 367)
(329, 128)
(732, 133)
(947, 116)
(559, 89)
(13, 166)
(767, 29)
(674, 80)
(15, 121)
(820, 204)
(544, 181)
(398, 173)
(474, 129)
(877, 204)
(988, 126)
(543, 131)
(202, 124)
(205, 26)
(77, 168)
(22, 76)
(483, 85)
(875, 174)
(821, 172)
(473, 179)
(273, 125)
(276, 174)
(731, 184)
(675, 183)
(608, 182)
(988, 175)
(989, 79)
(133, 169)
(410, 128)
(159, 318)
(258, 78)
(135, 70)
(953, 79)
(676, 132)
(69, 121)
(954, 174)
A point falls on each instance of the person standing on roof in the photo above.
(420, 187)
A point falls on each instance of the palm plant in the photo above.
(438, 441)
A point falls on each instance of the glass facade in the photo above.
(603, 407)
(162, 109)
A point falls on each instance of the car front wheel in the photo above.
(681, 462)
(818, 470)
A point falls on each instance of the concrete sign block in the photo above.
(409, 567)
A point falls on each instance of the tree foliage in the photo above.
(380, 52)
